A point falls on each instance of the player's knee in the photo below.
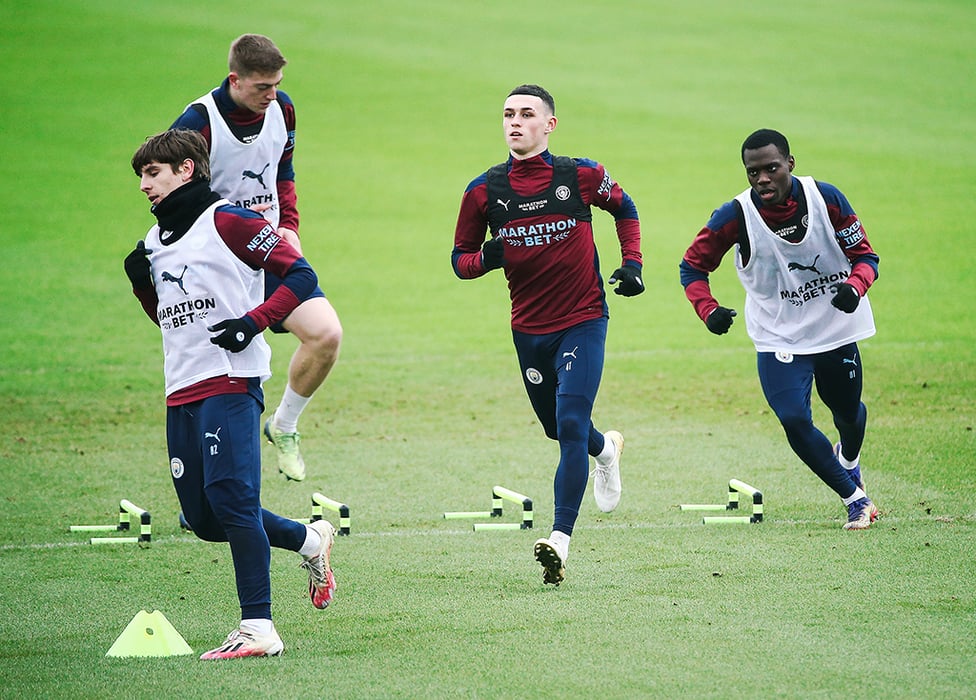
(850, 415)
(794, 420)
(324, 345)
(329, 336)
(573, 428)
(573, 419)
(206, 528)
(233, 501)
(321, 333)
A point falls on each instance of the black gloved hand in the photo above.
(237, 333)
(629, 277)
(720, 320)
(846, 297)
(493, 253)
(137, 267)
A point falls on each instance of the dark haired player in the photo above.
(537, 209)
(806, 265)
(199, 275)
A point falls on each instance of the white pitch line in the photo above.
(442, 532)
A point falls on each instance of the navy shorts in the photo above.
(271, 283)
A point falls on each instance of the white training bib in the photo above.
(247, 173)
(788, 285)
(187, 304)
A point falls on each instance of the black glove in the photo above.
(630, 280)
(137, 267)
(720, 320)
(493, 253)
(237, 333)
(846, 297)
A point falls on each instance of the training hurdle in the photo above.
(127, 510)
(735, 488)
(499, 494)
(320, 501)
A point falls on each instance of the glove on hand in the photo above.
(237, 333)
(137, 267)
(630, 281)
(720, 320)
(846, 298)
(493, 253)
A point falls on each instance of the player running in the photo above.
(806, 265)
(249, 126)
(211, 316)
(537, 209)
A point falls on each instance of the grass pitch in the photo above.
(399, 107)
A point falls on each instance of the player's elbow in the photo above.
(688, 273)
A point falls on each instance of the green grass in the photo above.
(398, 109)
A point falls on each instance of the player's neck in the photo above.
(525, 158)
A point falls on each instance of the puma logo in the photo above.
(793, 266)
(572, 354)
(504, 204)
(167, 277)
(256, 176)
(214, 449)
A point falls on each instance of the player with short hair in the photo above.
(806, 265)
(249, 127)
(537, 209)
(199, 276)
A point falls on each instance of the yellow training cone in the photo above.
(149, 634)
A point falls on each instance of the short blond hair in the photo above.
(254, 53)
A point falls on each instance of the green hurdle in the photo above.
(736, 487)
(127, 511)
(320, 501)
(499, 494)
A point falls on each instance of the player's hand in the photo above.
(237, 333)
(137, 267)
(629, 278)
(720, 320)
(291, 237)
(493, 253)
(846, 297)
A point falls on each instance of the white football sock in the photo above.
(560, 540)
(858, 493)
(258, 626)
(608, 453)
(288, 411)
(313, 540)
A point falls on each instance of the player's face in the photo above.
(158, 180)
(769, 173)
(256, 91)
(527, 123)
